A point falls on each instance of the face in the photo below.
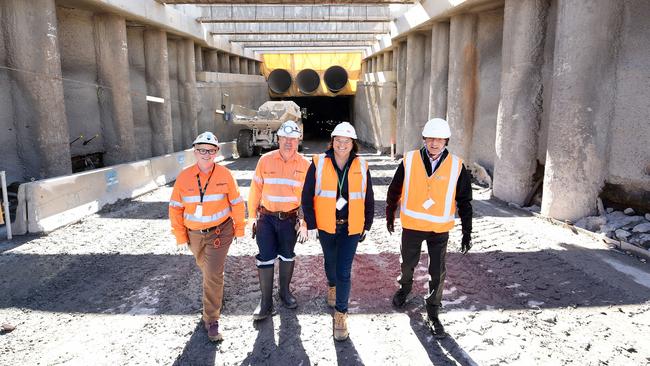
(342, 145)
(434, 145)
(205, 154)
(288, 145)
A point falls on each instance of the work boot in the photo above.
(434, 322)
(331, 296)
(399, 299)
(265, 307)
(340, 326)
(213, 331)
(286, 272)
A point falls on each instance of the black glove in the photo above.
(390, 223)
(466, 243)
(363, 236)
(254, 230)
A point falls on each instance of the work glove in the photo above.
(182, 248)
(466, 243)
(390, 223)
(252, 223)
(312, 234)
(362, 237)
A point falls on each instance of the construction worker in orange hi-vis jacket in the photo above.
(275, 218)
(206, 213)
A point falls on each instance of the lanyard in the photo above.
(340, 181)
(204, 189)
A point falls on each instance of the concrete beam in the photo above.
(301, 12)
(335, 37)
(312, 43)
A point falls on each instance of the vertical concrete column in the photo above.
(198, 57)
(401, 94)
(243, 66)
(211, 61)
(416, 102)
(116, 111)
(157, 75)
(520, 109)
(234, 64)
(187, 91)
(224, 62)
(257, 67)
(439, 70)
(462, 82)
(388, 59)
(251, 67)
(30, 28)
(582, 103)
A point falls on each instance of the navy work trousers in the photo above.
(275, 238)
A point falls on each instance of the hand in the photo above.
(252, 223)
(466, 243)
(362, 237)
(303, 236)
(312, 234)
(183, 248)
(390, 223)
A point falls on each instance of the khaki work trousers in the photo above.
(210, 251)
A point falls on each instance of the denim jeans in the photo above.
(338, 251)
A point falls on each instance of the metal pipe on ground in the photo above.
(335, 78)
(279, 81)
(307, 81)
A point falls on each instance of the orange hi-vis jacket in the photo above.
(326, 191)
(428, 203)
(221, 200)
(277, 184)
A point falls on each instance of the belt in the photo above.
(341, 221)
(205, 231)
(282, 215)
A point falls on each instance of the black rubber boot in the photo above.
(434, 322)
(399, 299)
(286, 273)
(265, 307)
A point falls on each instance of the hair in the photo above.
(355, 145)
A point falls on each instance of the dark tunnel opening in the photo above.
(323, 113)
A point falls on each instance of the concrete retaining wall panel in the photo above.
(10, 161)
(375, 113)
(141, 126)
(488, 44)
(177, 132)
(547, 81)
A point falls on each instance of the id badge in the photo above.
(428, 203)
(199, 210)
(341, 203)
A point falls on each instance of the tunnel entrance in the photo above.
(323, 113)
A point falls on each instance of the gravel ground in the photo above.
(112, 290)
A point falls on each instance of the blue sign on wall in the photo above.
(181, 159)
(111, 179)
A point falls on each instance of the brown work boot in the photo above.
(213, 331)
(331, 296)
(340, 326)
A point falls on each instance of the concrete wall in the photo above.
(141, 125)
(629, 144)
(488, 45)
(375, 112)
(177, 131)
(11, 161)
(79, 69)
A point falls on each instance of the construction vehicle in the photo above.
(261, 126)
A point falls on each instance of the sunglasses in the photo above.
(207, 151)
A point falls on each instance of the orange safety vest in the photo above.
(277, 184)
(437, 191)
(326, 190)
(221, 200)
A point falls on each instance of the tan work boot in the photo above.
(340, 326)
(331, 296)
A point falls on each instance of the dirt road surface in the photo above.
(113, 290)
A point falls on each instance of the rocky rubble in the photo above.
(623, 225)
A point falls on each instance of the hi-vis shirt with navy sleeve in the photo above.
(221, 200)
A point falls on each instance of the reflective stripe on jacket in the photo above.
(277, 184)
(325, 194)
(220, 201)
(438, 190)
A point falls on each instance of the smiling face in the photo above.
(288, 145)
(205, 154)
(435, 145)
(342, 146)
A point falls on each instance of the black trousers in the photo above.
(437, 249)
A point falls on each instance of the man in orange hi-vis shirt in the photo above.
(206, 211)
(273, 215)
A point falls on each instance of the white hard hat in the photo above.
(436, 128)
(344, 129)
(289, 129)
(206, 137)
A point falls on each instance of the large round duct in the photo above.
(307, 81)
(279, 81)
(335, 78)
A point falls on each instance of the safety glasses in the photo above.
(207, 151)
